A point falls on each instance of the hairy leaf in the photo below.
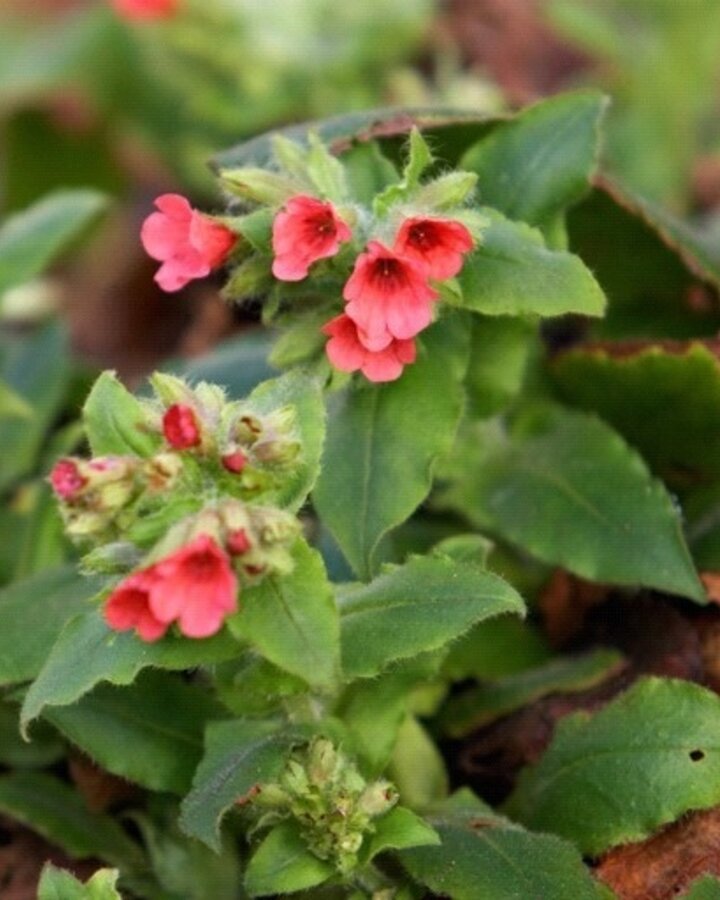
(115, 422)
(282, 864)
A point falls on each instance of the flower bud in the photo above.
(162, 471)
(378, 798)
(237, 542)
(181, 427)
(247, 429)
(66, 480)
(235, 461)
(322, 762)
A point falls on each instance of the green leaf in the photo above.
(512, 272)
(417, 769)
(326, 171)
(115, 421)
(539, 163)
(58, 884)
(417, 607)
(500, 350)
(611, 522)
(36, 367)
(238, 756)
(282, 864)
(12, 405)
(398, 830)
(33, 611)
(88, 652)
(373, 475)
(496, 648)
(617, 776)
(33, 238)
(707, 887)
(305, 395)
(45, 748)
(484, 855)
(57, 812)
(373, 710)
(477, 707)
(159, 716)
(293, 621)
(368, 171)
(664, 400)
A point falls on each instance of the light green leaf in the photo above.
(88, 652)
(477, 707)
(53, 809)
(282, 864)
(512, 272)
(417, 607)
(159, 716)
(326, 171)
(32, 239)
(115, 421)
(705, 888)
(484, 855)
(293, 621)
(398, 830)
(12, 405)
(373, 474)
(617, 776)
(305, 395)
(539, 163)
(566, 487)
(417, 769)
(33, 612)
(58, 884)
(238, 756)
(373, 710)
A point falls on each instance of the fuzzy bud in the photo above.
(66, 480)
(162, 471)
(235, 461)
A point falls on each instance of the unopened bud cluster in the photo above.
(335, 806)
(195, 520)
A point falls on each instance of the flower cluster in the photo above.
(185, 520)
(335, 806)
(375, 275)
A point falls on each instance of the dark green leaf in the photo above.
(36, 366)
(417, 607)
(512, 272)
(57, 812)
(293, 621)
(30, 240)
(707, 887)
(477, 707)
(617, 776)
(238, 756)
(33, 612)
(539, 163)
(484, 855)
(496, 648)
(239, 364)
(282, 864)
(500, 350)
(664, 399)
(373, 475)
(87, 652)
(566, 487)
(45, 748)
(159, 716)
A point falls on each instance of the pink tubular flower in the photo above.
(347, 353)
(180, 427)
(437, 244)
(129, 607)
(306, 230)
(195, 586)
(188, 243)
(388, 297)
(145, 9)
(66, 480)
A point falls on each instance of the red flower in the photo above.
(306, 230)
(145, 9)
(235, 462)
(66, 480)
(437, 244)
(129, 607)
(389, 297)
(188, 243)
(195, 586)
(238, 542)
(347, 353)
(180, 427)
